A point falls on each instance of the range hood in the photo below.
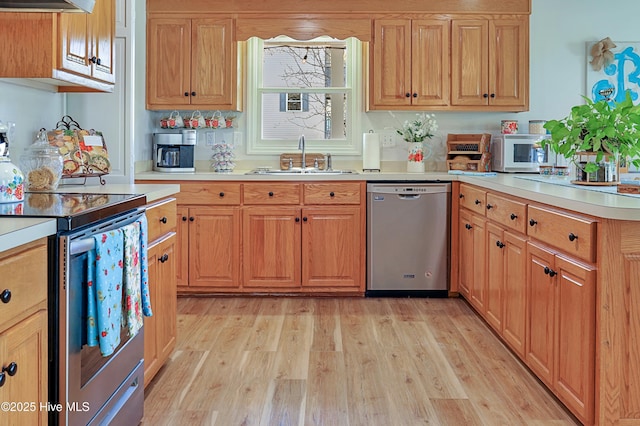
(82, 6)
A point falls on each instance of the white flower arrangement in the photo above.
(424, 126)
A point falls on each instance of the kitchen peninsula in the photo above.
(596, 382)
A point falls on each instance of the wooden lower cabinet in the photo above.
(208, 247)
(331, 247)
(514, 291)
(160, 329)
(25, 346)
(561, 327)
(506, 285)
(23, 334)
(473, 258)
(271, 247)
(310, 247)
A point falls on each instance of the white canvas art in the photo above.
(622, 74)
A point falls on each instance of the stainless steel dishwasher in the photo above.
(408, 239)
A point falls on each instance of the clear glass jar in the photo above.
(41, 164)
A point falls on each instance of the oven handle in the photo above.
(84, 245)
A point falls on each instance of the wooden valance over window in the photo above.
(341, 8)
(301, 28)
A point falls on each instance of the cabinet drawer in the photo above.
(510, 213)
(573, 234)
(24, 275)
(472, 198)
(271, 193)
(332, 193)
(209, 193)
(161, 218)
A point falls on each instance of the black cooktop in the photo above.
(73, 210)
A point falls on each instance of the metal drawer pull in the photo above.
(331, 194)
(468, 226)
(11, 370)
(270, 194)
(572, 237)
(489, 206)
(221, 194)
(513, 216)
(532, 222)
(499, 244)
(163, 219)
(478, 202)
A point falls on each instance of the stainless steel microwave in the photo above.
(521, 153)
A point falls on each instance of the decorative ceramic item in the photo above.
(11, 177)
(415, 158)
(509, 127)
(415, 132)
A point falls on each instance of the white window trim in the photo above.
(351, 145)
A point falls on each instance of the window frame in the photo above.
(349, 146)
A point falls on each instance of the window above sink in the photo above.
(304, 87)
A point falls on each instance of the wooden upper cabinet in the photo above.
(74, 51)
(191, 63)
(410, 63)
(87, 46)
(490, 63)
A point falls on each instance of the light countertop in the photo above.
(582, 199)
(15, 231)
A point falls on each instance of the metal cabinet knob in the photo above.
(5, 296)
(478, 202)
(532, 222)
(221, 194)
(500, 244)
(466, 225)
(513, 216)
(163, 219)
(270, 194)
(489, 206)
(572, 237)
(191, 219)
(332, 194)
(11, 369)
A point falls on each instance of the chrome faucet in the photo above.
(301, 145)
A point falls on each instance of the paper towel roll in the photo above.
(370, 151)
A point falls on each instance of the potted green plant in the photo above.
(601, 132)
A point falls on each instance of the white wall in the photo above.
(559, 31)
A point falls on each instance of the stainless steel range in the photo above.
(87, 387)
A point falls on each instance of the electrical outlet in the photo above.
(211, 138)
(237, 138)
(388, 139)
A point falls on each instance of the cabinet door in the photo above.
(541, 309)
(102, 27)
(430, 62)
(514, 290)
(469, 62)
(214, 247)
(331, 247)
(182, 246)
(391, 63)
(166, 302)
(151, 355)
(465, 259)
(26, 345)
(271, 246)
(508, 62)
(496, 251)
(575, 331)
(160, 329)
(478, 289)
(75, 43)
(213, 63)
(168, 62)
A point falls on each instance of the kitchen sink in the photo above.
(298, 171)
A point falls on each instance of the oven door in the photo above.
(90, 383)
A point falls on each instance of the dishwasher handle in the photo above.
(409, 196)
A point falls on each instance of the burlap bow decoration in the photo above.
(601, 53)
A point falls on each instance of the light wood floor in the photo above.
(351, 361)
